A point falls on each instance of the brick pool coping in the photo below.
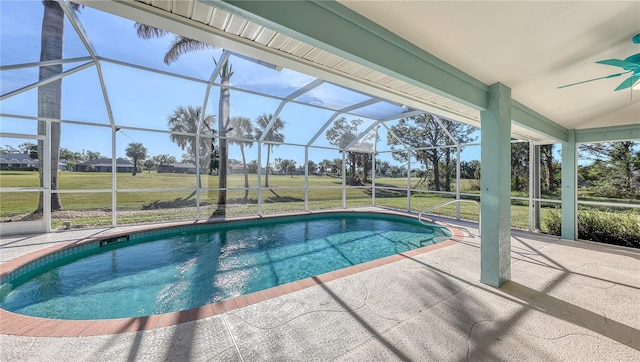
(22, 325)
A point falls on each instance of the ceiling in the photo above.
(531, 47)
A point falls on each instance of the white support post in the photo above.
(198, 185)
(46, 183)
(373, 168)
(306, 178)
(373, 179)
(114, 169)
(344, 179)
(532, 151)
(409, 181)
(536, 187)
(259, 178)
(457, 182)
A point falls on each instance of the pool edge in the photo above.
(21, 325)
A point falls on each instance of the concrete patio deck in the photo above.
(570, 301)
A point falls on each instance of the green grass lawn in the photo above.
(153, 197)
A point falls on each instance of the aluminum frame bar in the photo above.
(44, 63)
(313, 84)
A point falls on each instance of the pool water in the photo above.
(189, 270)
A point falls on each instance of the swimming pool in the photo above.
(170, 270)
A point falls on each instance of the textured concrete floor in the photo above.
(568, 301)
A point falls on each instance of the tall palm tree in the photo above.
(241, 134)
(223, 126)
(274, 136)
(50, 95)
(179, 46)
(185, 120)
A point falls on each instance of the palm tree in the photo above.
(50, 95)
(223, 126)
(272, 137)
(240, 133)
(179, 46)
(137, 152)
(185, 120)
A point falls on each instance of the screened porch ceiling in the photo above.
(531, 47)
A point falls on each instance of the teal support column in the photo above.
(570, 188)
(495, 156)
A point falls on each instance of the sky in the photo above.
(145, 99)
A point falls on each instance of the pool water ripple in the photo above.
(188, 270)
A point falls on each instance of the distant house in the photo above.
(191, 169)
(235, 169)
(22, 161)
(181, 168)
(105, 165)
(12, 161)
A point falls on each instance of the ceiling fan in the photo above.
(630, 64)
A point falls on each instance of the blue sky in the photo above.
(145, 99)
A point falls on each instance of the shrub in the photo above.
(552, 222)
(618, 228)
(467, 185)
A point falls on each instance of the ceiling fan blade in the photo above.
(591, 80)
(628, 82)
(619, 63)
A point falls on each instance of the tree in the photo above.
(91, 155)
(470, 170)
(30, 149)
(336, 167)
(342, 134)
(422, 131)
(50, 94)
(185, 120)
(291, 168)
(286, 165)
(312, 167)
(418, 132)
(398, 171)
(546, 157)
(325, 167)
(519, 165)
(615, 168)
(150, 164)
(253, 166)
(8, 149)
(163, 159)
(69, 155)
(241, 134)
(26, 147)
(223, 127)
(273, 137)
(461, 133)
(364, 159)
(137, 152)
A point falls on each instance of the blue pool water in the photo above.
(177, 272)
